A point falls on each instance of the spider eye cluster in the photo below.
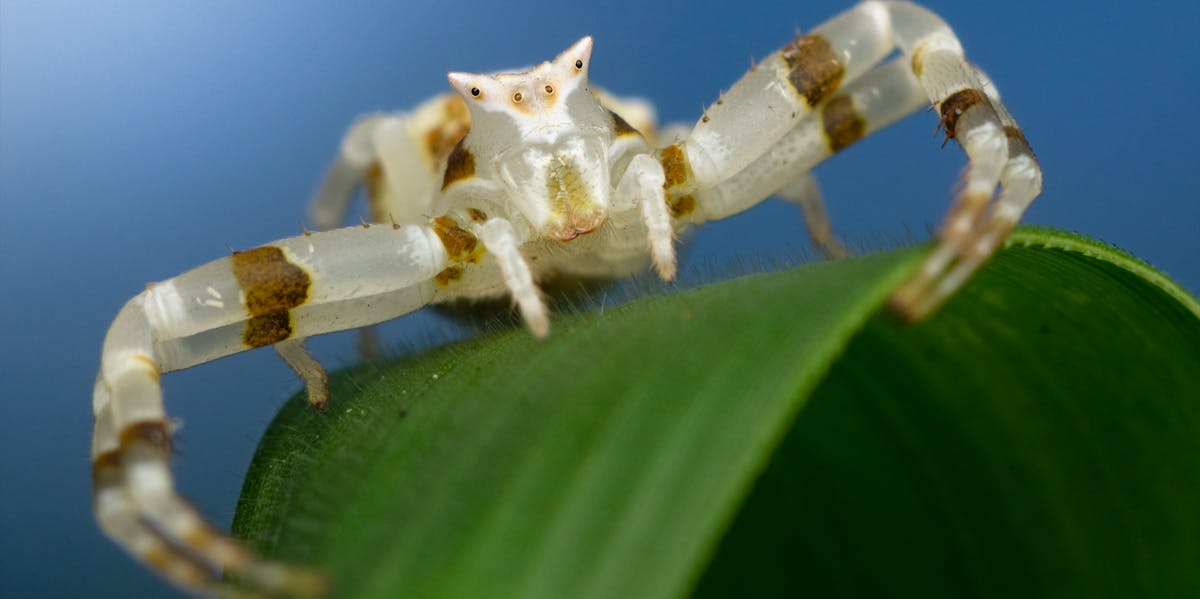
(475, 91)
(578, 65)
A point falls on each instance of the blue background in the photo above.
(140, 139)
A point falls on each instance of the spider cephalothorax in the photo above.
(545, 137)
(518, 177)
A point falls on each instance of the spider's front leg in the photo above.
(642, 186)
(272, 295)
(501, 239)
(811, 99)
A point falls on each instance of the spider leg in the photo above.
(1020, 184)
(779, 92)
(805, 191)
(118, 517)
(397, 158)
(274, 294)
(878, 98)
(751, 141)
(316, 380)
(356, 158)
(501, 240)
(642, 184)
(970, 232)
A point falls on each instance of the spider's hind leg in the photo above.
(805, 191)
(970, 235)
(998, 154)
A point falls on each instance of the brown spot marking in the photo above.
(461, 245)
(1017, 144)
(448, 276)
(843, 124)
(675, 166)
(155, 433)
(267, 329)
(815, 71)
(106, 470)
(269, 280)
(621, 126)
(680, 206)
(459, 165)
(477, 215)
(272, 286)
(953, 107)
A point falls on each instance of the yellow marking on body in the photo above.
(843, 123)
(918, 59)
(454, 124)
(681, 206)
(270, 286)
(459, 165)
(448, 276)
(149, 364)
(573, 211)
(815, 71)
(461, 245)
(675, 166)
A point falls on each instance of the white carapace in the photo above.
(517, 178)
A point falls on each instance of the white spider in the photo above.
(547, 181)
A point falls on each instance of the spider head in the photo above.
(547, 136)
(540, 105)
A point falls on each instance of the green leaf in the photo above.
(1042, 431)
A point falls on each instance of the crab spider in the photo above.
(519, 177)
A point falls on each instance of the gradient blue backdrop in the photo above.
(140, 139)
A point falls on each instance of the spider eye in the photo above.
(549, 89)
(475, 91)
(517, 97)
(579, 64)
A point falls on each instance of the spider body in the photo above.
(517, 178)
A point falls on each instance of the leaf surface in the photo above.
(1048, 413)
